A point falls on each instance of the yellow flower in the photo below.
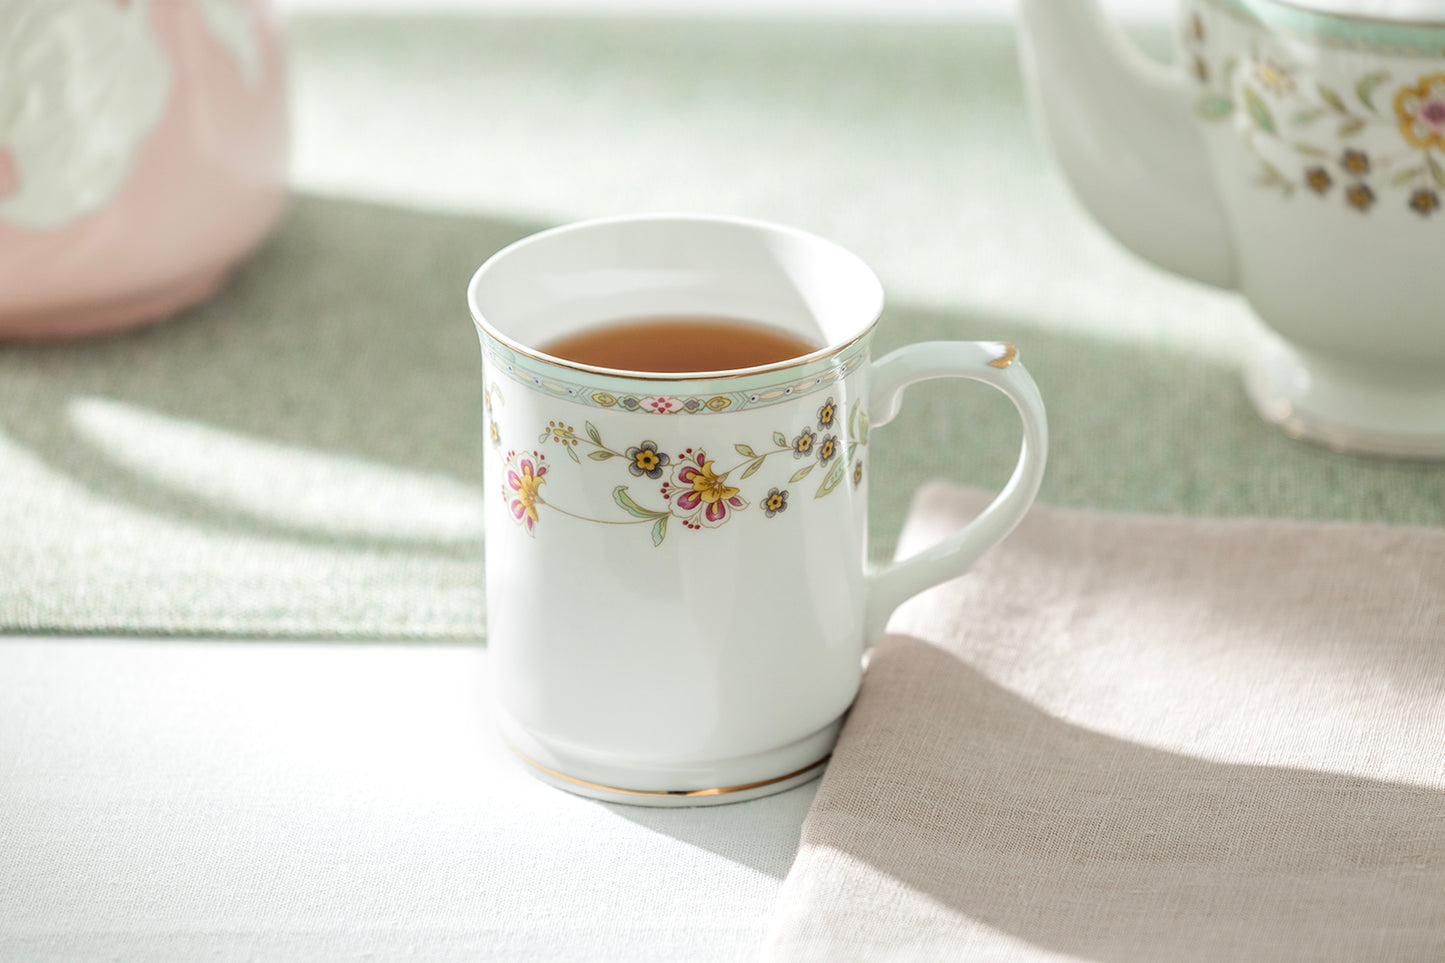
(1274, 77)
(827, 449)
(1356, 162)
(708, 486)
(1425, 201)
(524, 477)
(826, 414)
(1421, 110)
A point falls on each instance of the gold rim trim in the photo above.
(824, 353)
(672, 793)
(1007, 358)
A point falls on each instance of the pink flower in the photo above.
(524, 479)
(1421, 112)
(704, 493)
(662, 405)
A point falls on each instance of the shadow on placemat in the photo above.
(299, 455)
(348, 336)
(1089, 845)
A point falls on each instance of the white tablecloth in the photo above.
(189, 800)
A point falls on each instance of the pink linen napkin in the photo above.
(1134, 739)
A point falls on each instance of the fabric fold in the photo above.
(1128, 738)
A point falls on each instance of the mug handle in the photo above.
(994, 363)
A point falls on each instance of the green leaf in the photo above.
(1269, 176)
(745, 451)
(863, 426)
(659, 530)
(1258, 109)
(834, 476)
(592, 433)
(1337, 103)
(1310, 150)
(1406, 176)
(1303, 118)
(572, 453)
(802, 473)
(1436, 171)
(1228, 70)
(1214, 107)
(600, 455)
(752, 469)
(1352, 127)
(1365, 89)
(620, 496)
(780, 439)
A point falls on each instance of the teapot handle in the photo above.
(1123, 131)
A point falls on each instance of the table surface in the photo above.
(221, 800)
(239, 726)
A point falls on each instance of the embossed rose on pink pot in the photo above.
(142, 156)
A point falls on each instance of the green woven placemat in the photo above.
(301, 455)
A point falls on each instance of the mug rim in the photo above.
(823, 353)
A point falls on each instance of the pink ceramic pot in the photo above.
(142, 156)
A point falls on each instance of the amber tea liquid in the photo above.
(675, 345)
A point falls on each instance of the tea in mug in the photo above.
(676, 345)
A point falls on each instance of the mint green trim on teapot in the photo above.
(1388, 38)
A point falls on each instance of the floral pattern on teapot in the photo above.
(1368, 139)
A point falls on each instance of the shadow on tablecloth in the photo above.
(301, 456)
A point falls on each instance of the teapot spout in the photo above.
(1122, 130)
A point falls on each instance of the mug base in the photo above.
(697, 784)
(1343, 408)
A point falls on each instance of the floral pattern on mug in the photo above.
(701, 491)
(702, 496)
(493, 431)
(826, 414)
(647, 460)
(525, 475)
(661, 405)
(1306, 133)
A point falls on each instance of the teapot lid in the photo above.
(1420, 12)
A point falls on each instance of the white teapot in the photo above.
(1297, 153)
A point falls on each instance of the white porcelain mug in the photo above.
(677, 591)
